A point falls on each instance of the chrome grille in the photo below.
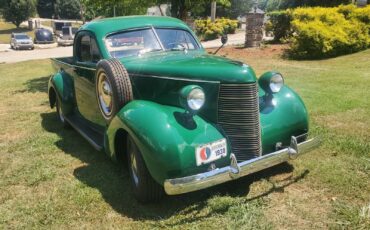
(238, 115)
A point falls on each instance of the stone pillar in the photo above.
(254, 32)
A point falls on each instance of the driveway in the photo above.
(233, 39)
(8, 55)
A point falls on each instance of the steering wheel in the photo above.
(176, 46)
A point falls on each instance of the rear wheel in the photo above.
(60, 114)
(145, 188)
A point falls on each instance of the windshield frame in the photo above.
(197, 48)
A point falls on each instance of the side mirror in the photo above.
(224, 39)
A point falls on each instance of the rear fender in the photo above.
(167, 145)
(62, 85)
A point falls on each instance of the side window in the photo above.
(84, 54)
(88, 50)
(95, 51)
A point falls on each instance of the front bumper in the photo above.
(236, 170)
(24, 46)
(62, 42)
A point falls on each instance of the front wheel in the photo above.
(145, 188)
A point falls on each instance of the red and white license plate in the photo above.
(211, 151)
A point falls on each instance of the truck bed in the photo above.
(62, 62)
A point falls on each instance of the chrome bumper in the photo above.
(235, 170)
(65, 42)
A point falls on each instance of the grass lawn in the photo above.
(52, 178)
(7, 28)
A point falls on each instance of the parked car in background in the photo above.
(21, 41)
(58, 27)
(43, 36)
(144, 90)
(68, 34)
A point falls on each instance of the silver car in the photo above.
(21, 41)
(67, 36)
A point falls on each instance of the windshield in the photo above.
(176, 39)
(65, 30)
(21, 36)
(149, 40)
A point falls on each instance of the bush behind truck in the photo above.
(318, 32)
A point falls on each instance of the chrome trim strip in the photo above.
(234, 171)
(173, 78)
(73, 66)
(141, 75)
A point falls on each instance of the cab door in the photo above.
(87, 55)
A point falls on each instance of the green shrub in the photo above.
(362, 15)
(279, 24)
(327, 32)
(208, 30)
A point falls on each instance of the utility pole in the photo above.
(213, 11)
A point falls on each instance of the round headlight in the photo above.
(196, 99)
(192, 98)
(276, 83)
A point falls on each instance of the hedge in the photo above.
(318, 32)
(279, 24)
(208, 30)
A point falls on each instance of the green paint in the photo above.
(155, 118)
(168, 146)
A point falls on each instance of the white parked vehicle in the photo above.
(21, 41)
(67, 36)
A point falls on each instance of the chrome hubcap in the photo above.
(60, 113)
(133, 166)
(105, 94)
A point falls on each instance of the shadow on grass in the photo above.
(113, 181)
(36, 85)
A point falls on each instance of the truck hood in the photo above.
(194, 65)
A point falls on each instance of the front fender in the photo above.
(168, 147)
(282, 115)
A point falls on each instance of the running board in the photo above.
(95, 138)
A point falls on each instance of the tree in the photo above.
(2, 5)
(45, 8)
(284, 4)
(237, 8)
(67, 9)
(180, 8)
(17, 11)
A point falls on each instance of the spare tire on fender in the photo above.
(113, 87)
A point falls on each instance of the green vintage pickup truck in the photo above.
(144, 90)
